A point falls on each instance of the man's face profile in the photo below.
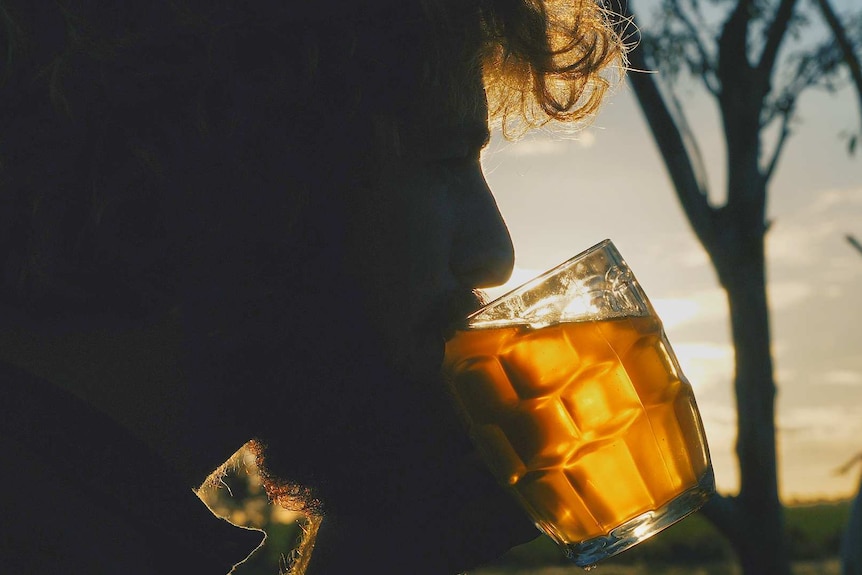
(341, 375)
(417, 241)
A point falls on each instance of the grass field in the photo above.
(694, 547)
(824, 567)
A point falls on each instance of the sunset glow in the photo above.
(559, 197)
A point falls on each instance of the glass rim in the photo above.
(465, 323)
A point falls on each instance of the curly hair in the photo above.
(549, 60)
(107, 109)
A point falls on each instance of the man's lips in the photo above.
(450, 313)
(440, 323)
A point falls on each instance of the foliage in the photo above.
(815, 531)
(683, 41)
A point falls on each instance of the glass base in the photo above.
(644, 526)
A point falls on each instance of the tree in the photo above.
(745, 60)
(847, 47)
(851, 544)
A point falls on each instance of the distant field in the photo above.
(691, 547)
(825, 567)
(694, 547)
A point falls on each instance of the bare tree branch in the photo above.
(690, 143)
(774, 36)
(856, 459)
(787, 115)
(707, 61)
(816, 67)
(847, 50)
(670, 143)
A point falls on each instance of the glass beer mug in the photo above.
(571, 393)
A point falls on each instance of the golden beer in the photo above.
(590, 424)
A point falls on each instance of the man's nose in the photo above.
(484, 255)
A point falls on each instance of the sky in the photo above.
(561, 193)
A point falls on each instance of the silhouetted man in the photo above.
(224, 222)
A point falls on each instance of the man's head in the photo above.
(301, 187)
(115, 116)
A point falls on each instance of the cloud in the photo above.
(719, 423)
(585, 139)
(541, 144)
(783, 295)
(675, 311)
(696, 307)
(825, 423)
(828, 200)
(814, 234)
(705, 365)
(784, 375)
(694, 257)
(842, 377)
(533, 148)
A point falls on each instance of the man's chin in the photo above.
(409, 519)
(384, 453)
(467, 521)
(366, 453)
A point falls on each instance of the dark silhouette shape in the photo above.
(251, 223)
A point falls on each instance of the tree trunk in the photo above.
(851, 546)
(733, 236)
(851, 543)
(758, 533)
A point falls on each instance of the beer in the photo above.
(590, 423)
